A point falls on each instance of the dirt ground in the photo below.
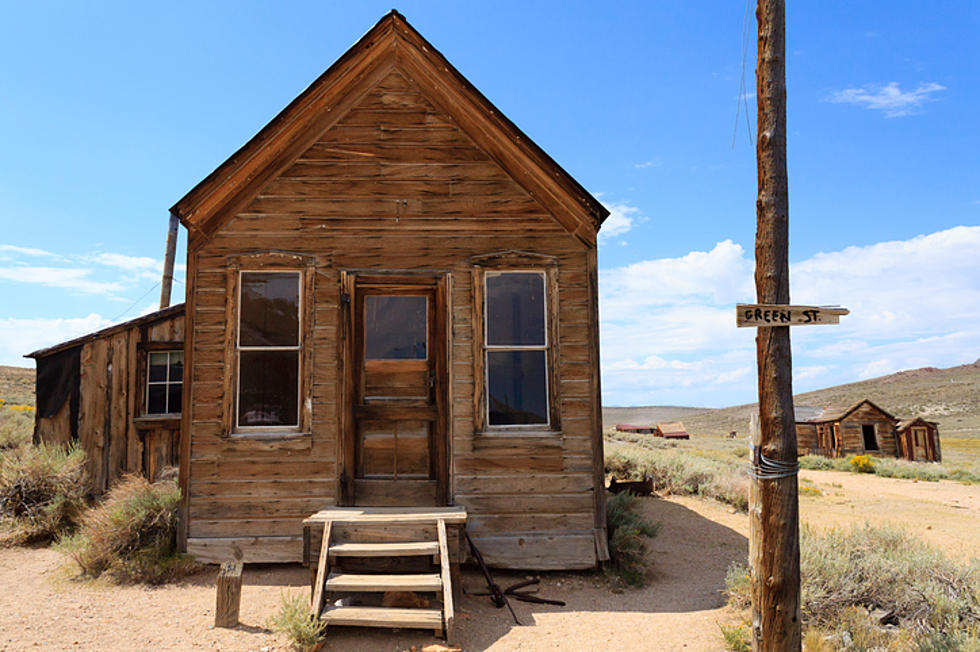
(42, 607)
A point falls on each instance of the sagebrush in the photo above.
(628, 531)
(42, 492)
(879, 587)
(16, 428)
(295, 620)
(131, 535)
(679, 472)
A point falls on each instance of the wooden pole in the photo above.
(168, 262)
(229, 594)
(774, 543)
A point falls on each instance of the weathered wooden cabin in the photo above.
(675, 430)
(391, 301)
(918, 440)
(117, 394)
(857, 429)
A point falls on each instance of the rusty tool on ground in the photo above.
(526, 596)
(497, 597)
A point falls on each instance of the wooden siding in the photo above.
(395, 185)
(111, 431)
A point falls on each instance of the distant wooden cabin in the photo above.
(674, 430)
(641, 430)
(918, 440)
(857, 429)
(391, 301)
(117, 394)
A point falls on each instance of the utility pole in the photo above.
(168, 262)
(774, 544)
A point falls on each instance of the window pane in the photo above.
(270, 309)
(158, 367)
(515, 309)
(176, 366)
(517, 387)
(174, 391)
(394, 328)
(156, 402)
(268, 386)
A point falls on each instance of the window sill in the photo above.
(269, 440)
(527, 439)
(149, 421)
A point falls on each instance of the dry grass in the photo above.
(680, 470)
(880, 588)
(17, 385)
(42, 492)
(131, 535)
(16, 428)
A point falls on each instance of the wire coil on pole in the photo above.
(765, 468)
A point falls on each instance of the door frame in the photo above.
(439, 283)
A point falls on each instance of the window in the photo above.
(516, 349)
(268, 350)
(164, 382)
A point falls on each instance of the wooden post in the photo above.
(774, 544)
(229, 594)
(168, 262)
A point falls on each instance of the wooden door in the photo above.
(919, 444)
(397, 411)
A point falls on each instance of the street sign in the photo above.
(768, 315)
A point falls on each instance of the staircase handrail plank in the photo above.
(322, 568)
(447, 588)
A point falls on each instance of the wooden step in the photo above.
(389, 515)
(356, 582)
(403, 549)
(383, 617)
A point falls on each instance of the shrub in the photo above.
(858, 584)
(821, 463)
(131, 535)
(42, 492)
(738, 638)
(738, 586)
(861, 464)
(297, 623)
(628, 531)
(16, 429)
(680, 472)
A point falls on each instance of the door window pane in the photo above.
(515, 309)
(517, 387)
(268, 386)
(395, 327)
(270, 309)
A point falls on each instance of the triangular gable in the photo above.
(843, 415)
(392, 44)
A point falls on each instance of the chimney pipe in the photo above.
(168, 262)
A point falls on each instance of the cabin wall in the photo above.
(395, 186)
(851, 433)
(111, 380)
(806, 439)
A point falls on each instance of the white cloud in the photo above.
(27, 251)
(668, 325)
(890, 99)
(621, 218)
(652, 163)
(20, 336)
(131, 263)
(69, 278)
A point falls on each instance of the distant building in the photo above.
(863, 428)
(918, 440)
(673, 431)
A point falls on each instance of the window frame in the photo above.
(166, 383)
(515, 262)
(270, 262)
(488, 348)
(298, 348)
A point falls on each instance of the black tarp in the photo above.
(58, 378)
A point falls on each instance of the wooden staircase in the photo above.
(397, 541)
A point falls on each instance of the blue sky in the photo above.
(110, 112)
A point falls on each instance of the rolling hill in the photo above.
(950, 397)
(17, 385)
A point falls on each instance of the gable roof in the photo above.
(836, 413)
(906, 423)
(392, 44)
(676, 427)
(149, 318)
